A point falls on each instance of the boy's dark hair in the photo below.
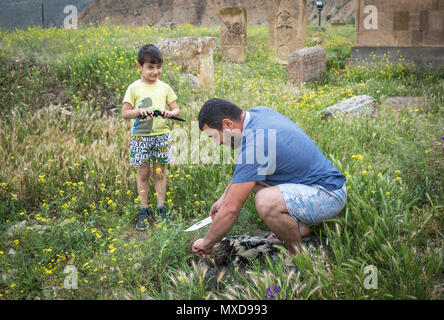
(149, 53)
(215, 110)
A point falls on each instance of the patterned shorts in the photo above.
(312, 204)
(143, 150)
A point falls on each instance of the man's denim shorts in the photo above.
(312, 204)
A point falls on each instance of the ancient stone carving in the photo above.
(193, 54)
(288, 23)
(234, 34)
(306, 64)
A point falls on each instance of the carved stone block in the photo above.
(193, 54)
(234, 34)
(287, 23)
(306, 64)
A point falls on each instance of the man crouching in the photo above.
(295, 185)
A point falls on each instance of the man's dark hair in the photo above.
(215, 110)
(149, 53)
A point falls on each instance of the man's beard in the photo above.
(232, 139)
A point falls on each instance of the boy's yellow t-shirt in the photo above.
(158, 95)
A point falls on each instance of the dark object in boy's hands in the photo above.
(158, 113)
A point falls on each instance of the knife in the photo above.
(200, 224)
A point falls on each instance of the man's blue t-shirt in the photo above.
(276, 151)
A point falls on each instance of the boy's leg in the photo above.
(142, 177)
(160, 182)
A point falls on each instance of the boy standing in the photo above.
(149, 137)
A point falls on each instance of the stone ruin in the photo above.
(233, 34)
(193, 54)
(409, 29)
(287, 26)
(357, 106)
(306, 64)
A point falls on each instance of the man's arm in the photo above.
(227, 215)
(215, 207)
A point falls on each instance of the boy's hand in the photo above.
(167, 114)
(145, 113)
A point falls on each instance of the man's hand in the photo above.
(227, 214)
(200, 248)
(215, 208)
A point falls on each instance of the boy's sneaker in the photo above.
(161, 211)
(145, 219)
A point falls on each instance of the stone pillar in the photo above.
(288, 24)
(193, 54)
(271, 24)
(233, 34)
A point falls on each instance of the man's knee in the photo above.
(268, 201)
(261, 203)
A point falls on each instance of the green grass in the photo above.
(66, 173)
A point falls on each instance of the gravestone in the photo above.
(356, 106)
(409, 30)
(287, 27)
(306, 64)
(405, 103)
(234, 34)
(193, 54)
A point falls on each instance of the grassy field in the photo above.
(68, 196)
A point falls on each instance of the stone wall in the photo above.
(404, 30)
(200, 12)
(402, 23)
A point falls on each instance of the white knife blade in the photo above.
(199, 224)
